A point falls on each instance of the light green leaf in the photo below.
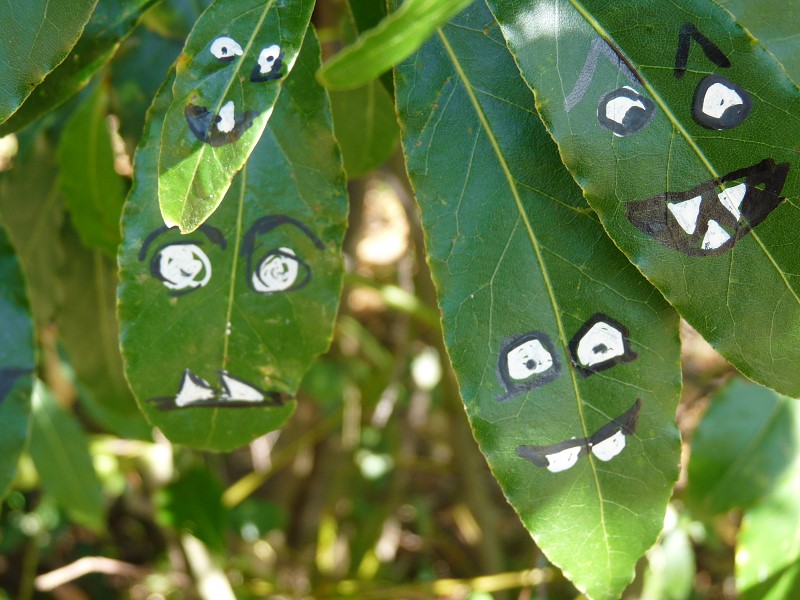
(37, 36)
(111, 23)
(688, 180)
(60, 450)
(228, 78)
(393, 40)
(93, 191)
(243, 303)
(16, 363)
(527, 281)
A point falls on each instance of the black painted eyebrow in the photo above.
(266, 224)
(687, 33)
(599, 47)
(213, 234)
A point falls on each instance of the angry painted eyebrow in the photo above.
(688, 33)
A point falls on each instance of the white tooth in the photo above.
(193, 389)
(609, 447)
(563, 460)
(686, 213)
(226, 120)
(731, 199)
(234, 389)
(715, 236)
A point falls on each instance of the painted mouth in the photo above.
(225, 127)
(605, 443)
(233, 392)
(711, 217)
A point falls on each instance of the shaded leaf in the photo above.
(111, 22)
(194, 503)
(60, 450)
(526, 282)
(393, 40)
(17, 358)
(281, 229)
(174, 19)
(687, 167)
(37, 36)
(93, 191)
(228, 78)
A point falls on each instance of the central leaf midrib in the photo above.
(537, 250)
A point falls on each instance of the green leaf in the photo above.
(728, 262)
(93, 191)
(17, 359)
(741, 448)
(37, 36)
(216, 316)
(525, 277)
(393, 40)
(228, 79)
(60, 450)
(174, 19)
(111, 22)
(768, 548)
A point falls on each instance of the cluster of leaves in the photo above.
(128, 282)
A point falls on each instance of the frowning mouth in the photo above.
(605, 443)
(711, 217)
(233, 392)
(225, 127)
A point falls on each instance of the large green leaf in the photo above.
(742, 447)
(260, 283)
(16, 363)
(93, 191)
(111, 22)
(60, 450)
(649, 105)
(37, 36)
(228, 78)
(537, 304)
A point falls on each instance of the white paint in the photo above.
(619, 107)
(225, 47)
(267, 58)
(527, 359)
(563, 460)
(184, 266)
(193, 389)
(226, 120)
(715, 236)
(609, 447)
(277, 272)
(601, 343)
(732, 199)
(235, 389)
(718, 98)
(686, 213)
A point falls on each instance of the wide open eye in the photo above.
(181, 267)
(279, 271)
(525, 362)
(225, 49)
(600, 344)
(624, 111)
(720, 104)
(269, 64)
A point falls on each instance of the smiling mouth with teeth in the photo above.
(233, 392)
(711, 217)
(223, 128)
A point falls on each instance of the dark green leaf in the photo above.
(742, 446)
(37, 36)
(172, 322)
(93, 191)
(228, 78)
(111, 22)
(60, 450)
(16, 363)
(725, 261)
(174, 19)
(525, 276)
(194, 503)
(394, 39)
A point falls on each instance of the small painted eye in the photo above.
(525, 362)
(600, 344)
(624, 111)
(181, 267)
(269, 65)
(720, 104)
(608, 448)
(225, 49)
(528, 359)
(279, 271)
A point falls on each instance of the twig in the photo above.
(83, 566)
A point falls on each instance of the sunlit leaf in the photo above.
(37, 36)
(682, 133)
(562, 350)
(253, 293)
(111, 22)
(228, 78)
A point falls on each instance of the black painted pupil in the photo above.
(600, 349)
(530, 364)
(224, 50)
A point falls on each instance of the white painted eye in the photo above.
(529, 358)
(563, 460)
(267, 58)
(625, 111)
(609, 447)
(720, 104)
(601, 343)
(277, 272)
(719, 98)
(225, 49)
(182, 267)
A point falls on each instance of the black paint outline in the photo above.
(513, 387)
(631, 125)
(272, 398)
(203, 125)
(628, 354)
(733, 115)
(598, 47)
(687, 33)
